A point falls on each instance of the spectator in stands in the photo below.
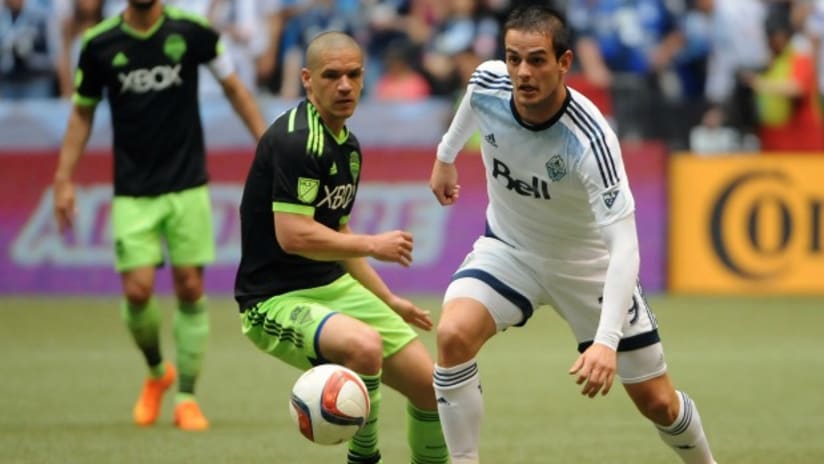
(201, 7)
(812, 19)
(389, 21)
(29, 50)
(270, 16)
(685, 94)
(627, 46)
(786, 93)
(467, 27)
(738, 44)
(85, 14)
(691, 60)
(243, 32)
(714, 136)
(401, 81)
(281, 34)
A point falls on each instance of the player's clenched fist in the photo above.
(395, 246)
(444, 182)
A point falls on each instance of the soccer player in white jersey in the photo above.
(560, 231)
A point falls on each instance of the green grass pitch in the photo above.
(754, 366)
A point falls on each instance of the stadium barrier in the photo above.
(394, 194)
(399, 143)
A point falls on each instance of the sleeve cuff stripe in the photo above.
(84, 101)
(293, 208)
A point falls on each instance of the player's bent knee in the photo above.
(455, 345)
(364, 353)
(189, 287)
(136, 292)
(660, 407)
(190, 294)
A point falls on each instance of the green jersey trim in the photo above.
(292, 208)
(314, 141)
(344, 220)
(80, 100)
(100, 28)
(342, 138)
(292, 115)
(143, 35)
(84, 101)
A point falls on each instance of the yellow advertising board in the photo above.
(746, 224)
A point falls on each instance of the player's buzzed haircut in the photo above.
(542, 19)
(328, 41)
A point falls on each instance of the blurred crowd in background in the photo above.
(710, 76)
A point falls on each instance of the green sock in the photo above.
(191, 331)
(363, 447)
(143, 322)
(181, 397)
(423, 431)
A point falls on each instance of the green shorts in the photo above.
(288, 326)
(182, 219)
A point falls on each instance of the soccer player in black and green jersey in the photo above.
(305, 289)
(147, 61)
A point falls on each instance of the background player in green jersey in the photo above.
(306, 292)
(147, 61)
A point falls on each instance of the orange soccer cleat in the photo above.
(147, 407)
(189, 417)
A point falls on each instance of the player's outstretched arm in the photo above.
(364, 273)
(411, 313)
(444, 178)
(595, 368)
(74, 142)
(444, 182)
(300, 234)
(244, 104)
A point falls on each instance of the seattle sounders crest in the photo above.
(354, 165)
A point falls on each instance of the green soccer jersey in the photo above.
(299, 167)
(151, 82)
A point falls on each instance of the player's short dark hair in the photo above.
(543, 19)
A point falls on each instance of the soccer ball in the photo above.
(329, 404)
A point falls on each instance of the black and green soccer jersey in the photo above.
(299, 167)
(151, 81)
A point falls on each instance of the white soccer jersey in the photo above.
(551, 186)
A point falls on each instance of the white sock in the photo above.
(686, 434)
(461, 409)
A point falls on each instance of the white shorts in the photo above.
(511, 283)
